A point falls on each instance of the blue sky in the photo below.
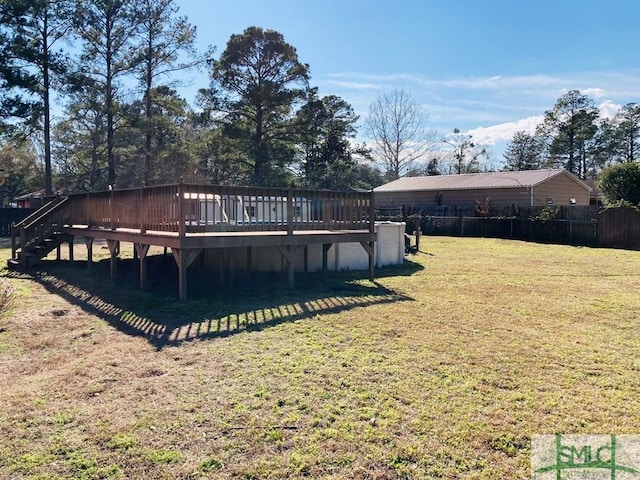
(487, 67)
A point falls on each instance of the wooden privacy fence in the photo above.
(572, 232)
(611, 227)
(188, 208)
(620, 227)
(12, 215)
(561, 212)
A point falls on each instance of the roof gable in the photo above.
(517, 179)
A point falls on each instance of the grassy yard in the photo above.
(442, 368)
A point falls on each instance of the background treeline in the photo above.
(89, 98)
(574, 135)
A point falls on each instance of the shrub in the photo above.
(621, 183)
(7, 295)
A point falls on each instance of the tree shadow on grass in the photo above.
(217, 307)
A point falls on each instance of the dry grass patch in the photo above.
(442, 369)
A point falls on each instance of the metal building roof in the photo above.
(519, 179)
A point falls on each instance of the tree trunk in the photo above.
(48, 181)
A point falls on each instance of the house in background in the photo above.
(596, 198)
(30, 200)
(36, 199)
(528, 188)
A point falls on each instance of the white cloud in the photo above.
(608, 109)
(352, 85)
(593, 92)
(504, 131)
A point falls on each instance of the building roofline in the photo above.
(502, 175)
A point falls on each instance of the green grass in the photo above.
(443, 368)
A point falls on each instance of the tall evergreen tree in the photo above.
(167, 46)
(524, 152)
(108, 30)
(24, 174)
(570, 127)
(81, 140)
(262, 81)
(328, 159)
(32, 31)
(627, 132)
(169, 127)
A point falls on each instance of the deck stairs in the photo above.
(41, 232)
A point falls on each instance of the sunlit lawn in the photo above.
(443, 368)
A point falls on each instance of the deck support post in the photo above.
(370, 249)
(232, 276)
(14, 243)
(325, 252)
(114, 250)
(221, 276)
(372, 262)
(23, 247)
(249, 260)
(306, 259)
(288, 253)
(372, 237)
(141, 251)
(71, 249)
(88, 241)
(184, 257)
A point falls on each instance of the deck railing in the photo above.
(189, 208)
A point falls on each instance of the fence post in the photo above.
(571, 232)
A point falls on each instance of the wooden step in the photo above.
(43, 249)
(32, 259)
(14, 264)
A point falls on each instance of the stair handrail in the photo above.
(35, 227)
(40, 211)
(16, 228)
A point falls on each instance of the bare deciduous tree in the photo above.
(397, 127)
(464, 154)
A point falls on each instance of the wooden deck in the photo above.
(192, 218)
